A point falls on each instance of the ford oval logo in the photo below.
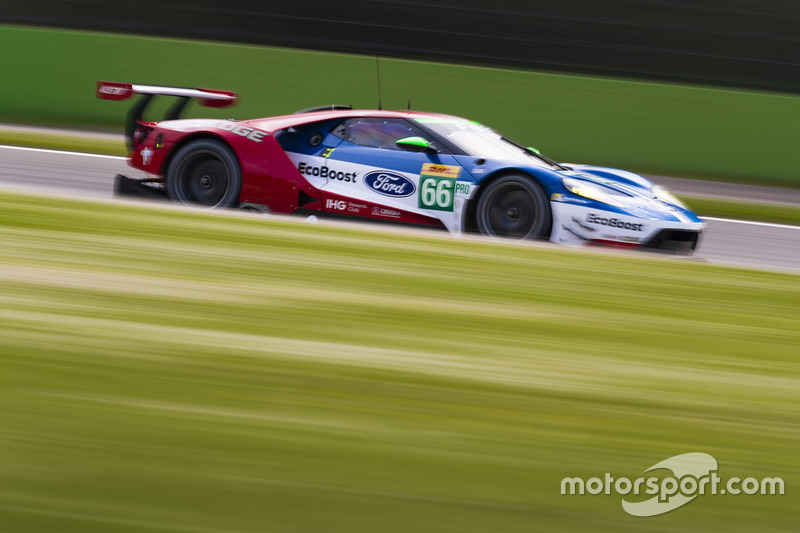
(389, 184)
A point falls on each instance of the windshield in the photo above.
(481, 141)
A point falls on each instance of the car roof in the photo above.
(287, 121)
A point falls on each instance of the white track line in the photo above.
(751, 223)
(120, 158)
(61, 152)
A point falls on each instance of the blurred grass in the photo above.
(172, 370)
(714, 207)
(669, 129)
(54, 141)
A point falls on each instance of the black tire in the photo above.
(205, 172)
(515, 207)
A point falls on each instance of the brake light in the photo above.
(140, 135)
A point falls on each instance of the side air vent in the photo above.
(305, 199)
(676, 241)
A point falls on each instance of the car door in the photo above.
(369, 165)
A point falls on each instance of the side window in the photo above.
(374, 132)
(301, 138)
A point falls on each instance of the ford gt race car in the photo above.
(401, 166)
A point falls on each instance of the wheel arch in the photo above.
(232, 194)
(470, 215)
(200, 135)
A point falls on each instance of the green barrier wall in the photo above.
(49, 78)
(730, 43)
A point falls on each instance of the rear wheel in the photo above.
(515, 207)
(205, 172)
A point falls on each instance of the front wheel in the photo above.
(515, 207)
(205, 172)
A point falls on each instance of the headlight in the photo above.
(663, 195)
(591, 191)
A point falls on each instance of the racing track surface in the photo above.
(770, 246)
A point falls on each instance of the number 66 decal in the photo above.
(436, 192)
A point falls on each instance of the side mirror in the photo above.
(415, 144)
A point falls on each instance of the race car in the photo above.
(401, 166)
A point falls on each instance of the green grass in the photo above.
(56, 141)
(712, 207)
(667, 129)
(172, 370)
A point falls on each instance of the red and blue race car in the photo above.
(402, 166)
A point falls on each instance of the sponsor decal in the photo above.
(336, 205)
(462, 188)
(345, 206)
(591, 218)
(118, 90)
(385, 212)
(146, 154)
(327, 152)
(448, 171)
(389, 184)
(325, 172)
(245, 131)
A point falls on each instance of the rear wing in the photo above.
(109, 90)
